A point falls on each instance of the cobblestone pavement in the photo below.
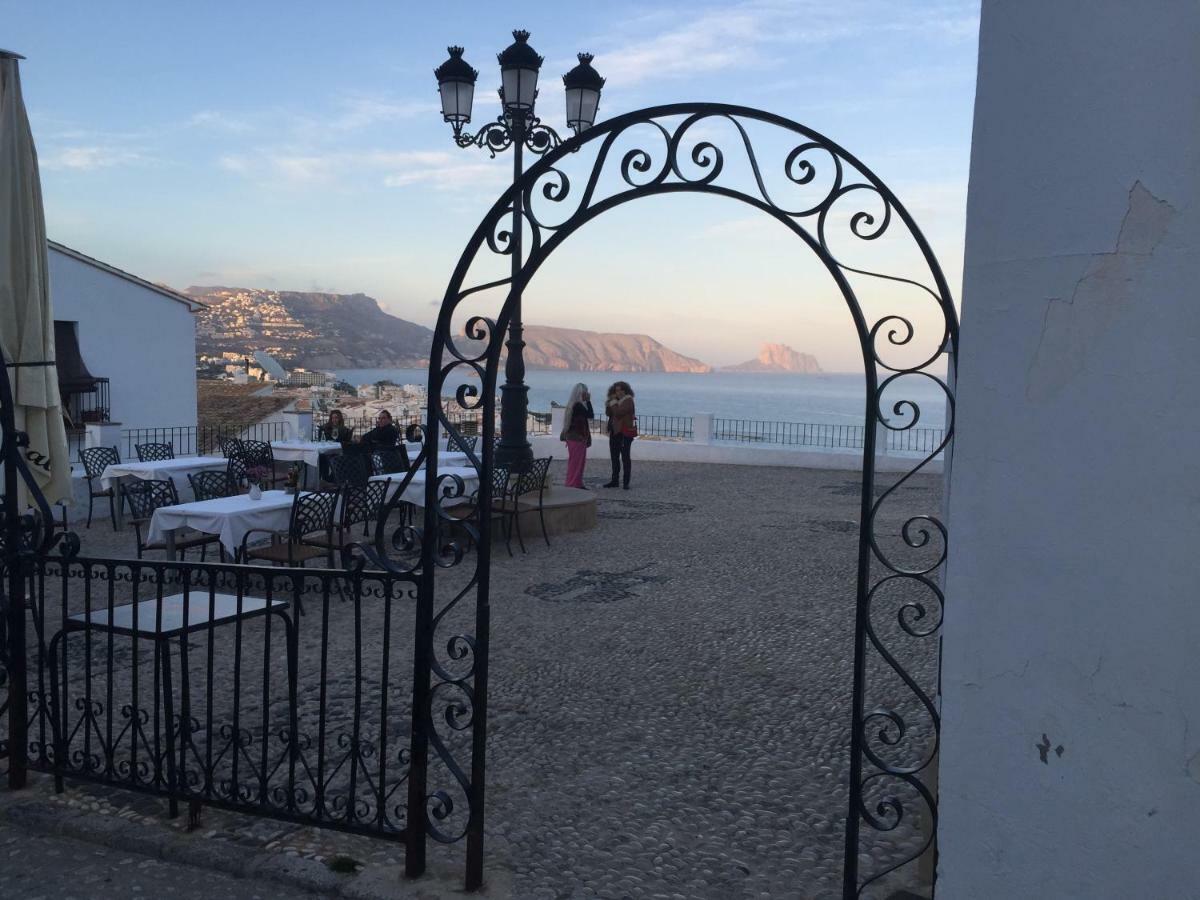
(670, 693)
(40, 867)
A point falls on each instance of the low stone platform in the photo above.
(566, 510)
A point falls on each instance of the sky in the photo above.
(299, 146)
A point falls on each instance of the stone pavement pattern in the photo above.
(669, 703)
(41, 867)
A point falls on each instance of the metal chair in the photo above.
(390, 460)
(95, 461)
(312, 515)
(360, 505)
(154, 452)
(144, 497)
(350, 468)
(500, 504)
(533, 479)
(212, 485)
(235, 469)
(230, 447)
(464, 443)
(258, 454)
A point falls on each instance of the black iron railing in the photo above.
(677, 428)
(188, 440)
(810, 434)
(288, 695)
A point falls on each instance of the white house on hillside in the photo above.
(126, 348)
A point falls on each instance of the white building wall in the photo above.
(1070, 762)
(141, 340)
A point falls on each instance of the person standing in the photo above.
(622, 429)
(577, 433)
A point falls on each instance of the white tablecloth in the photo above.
(415, 492)
(445, 457)
(229, 517)
(161, 470)
(308, 452)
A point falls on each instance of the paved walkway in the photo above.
(670, 692)
(46, 867)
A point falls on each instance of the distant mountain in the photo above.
(594, 351)
(309, 329)
(350, 331)
(778, 358)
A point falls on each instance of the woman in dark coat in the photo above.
(577, 433)
(622, 429)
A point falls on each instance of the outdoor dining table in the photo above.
(307, 452)
(415, 491)
(445, 457)
(228, 517)
(158, 470)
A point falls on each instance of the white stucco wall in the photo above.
(141, 340)
(1073, 616)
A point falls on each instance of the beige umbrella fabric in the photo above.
(26, 320)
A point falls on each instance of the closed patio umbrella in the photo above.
(26, 321)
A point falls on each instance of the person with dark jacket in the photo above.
(577, 433)
(335, 429)
(622, 429)
(384, 434)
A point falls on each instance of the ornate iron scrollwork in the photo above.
(835, 206)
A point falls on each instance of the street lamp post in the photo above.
(516, 127)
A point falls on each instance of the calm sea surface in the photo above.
(834, 399)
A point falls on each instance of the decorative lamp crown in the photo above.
(583, 85)
(456, 84)
(519, 65)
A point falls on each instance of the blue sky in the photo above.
(299, 146)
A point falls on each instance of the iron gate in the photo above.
(832, 196)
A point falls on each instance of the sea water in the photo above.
(824, 399)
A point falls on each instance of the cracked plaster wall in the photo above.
(1073, 599)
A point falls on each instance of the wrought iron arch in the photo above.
(891, 758)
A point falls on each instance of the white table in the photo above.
(159, 470)
(445, 457)
(307, 452)
(415, 492)
(228, 517)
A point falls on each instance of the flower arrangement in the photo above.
(258, 475)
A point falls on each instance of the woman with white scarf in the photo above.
(577, 433)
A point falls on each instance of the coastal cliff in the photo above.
(779, 358)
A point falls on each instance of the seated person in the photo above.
(384, 434)
(335, 429)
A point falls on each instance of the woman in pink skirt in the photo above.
(577, 433)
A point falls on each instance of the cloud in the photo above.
(765, 34)
(86, 158)
(219, 121)
(440, 169)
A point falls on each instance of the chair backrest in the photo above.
(258, 453)
(500, 476)
(97, 459)
(349, 468)
(146, 496)
(362, 502)
(154, 452)
(312, 512)
(534, 478)
(211, 485)
(390, 460)
(230, 447)
(465, 443)
(235, 470)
